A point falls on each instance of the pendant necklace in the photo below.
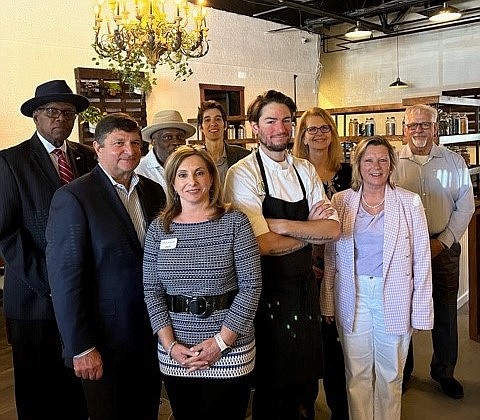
(372, 207)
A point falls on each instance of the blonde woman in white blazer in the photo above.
(378, 281)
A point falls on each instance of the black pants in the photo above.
(129, 388)
(283, 402)
(44, 387)
(334, 382)
(445, 278)
(204, 398)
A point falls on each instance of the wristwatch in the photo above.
(223, 347)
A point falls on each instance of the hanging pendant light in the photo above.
(358, 32)
(445, 14)
(398, 84)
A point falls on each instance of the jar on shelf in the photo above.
(444, 124)
(465, 154)
(353, 129)
(293, 129)
(241, 132)
(369, 127)
(463, 123)
(231, 132)
(455, 123)
(390, 126)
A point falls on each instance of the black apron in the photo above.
(287, 324)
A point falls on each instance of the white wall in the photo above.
(429, 62)
(46, 40)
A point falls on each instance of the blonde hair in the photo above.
(360, 150)
(335, 151)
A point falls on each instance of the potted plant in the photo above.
(92, 115)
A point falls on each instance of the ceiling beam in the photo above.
(323, 13)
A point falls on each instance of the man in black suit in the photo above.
(44, 388)
(95, 236)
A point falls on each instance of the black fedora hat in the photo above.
(53, 91)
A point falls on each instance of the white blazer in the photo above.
(406, 263)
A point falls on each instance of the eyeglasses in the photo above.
(55, 113)
(314, 130)
(425, 125)
(170, 137)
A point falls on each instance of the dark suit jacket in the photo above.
(235, 153)
(94, 262)
(29, 181)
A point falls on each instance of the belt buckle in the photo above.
(199, 306)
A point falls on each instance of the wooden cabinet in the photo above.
(474, 275)
(104, 90)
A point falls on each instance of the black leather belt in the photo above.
(201, 306)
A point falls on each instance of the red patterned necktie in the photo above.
(64, 168)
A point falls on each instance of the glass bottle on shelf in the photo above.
(231, 132)
(353, 127)
(241, 132)
(455, 123)
(465, 154)
(463, 123)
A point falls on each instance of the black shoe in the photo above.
(450, 387)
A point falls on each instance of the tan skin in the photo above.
(192, 184)
(213, 129)
(119, 156)
(318, 145)
(55, 130)
(420, 141)
(274, 131)
(375, 171)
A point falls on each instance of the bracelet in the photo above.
(169, 351)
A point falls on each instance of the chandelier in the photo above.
(148, 33)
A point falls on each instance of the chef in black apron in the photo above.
(287, 326)
(288, 362)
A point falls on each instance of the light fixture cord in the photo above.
(398, 65)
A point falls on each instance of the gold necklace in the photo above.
(372, 207)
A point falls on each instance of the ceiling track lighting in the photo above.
(398, 84)
(445, 14)
(358, 32)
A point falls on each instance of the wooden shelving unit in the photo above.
(97, 85)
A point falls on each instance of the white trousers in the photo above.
(374, 360)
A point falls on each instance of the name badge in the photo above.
(168, 243)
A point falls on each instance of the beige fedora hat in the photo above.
(167, 119)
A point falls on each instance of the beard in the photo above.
(273, 147)
(419, 143)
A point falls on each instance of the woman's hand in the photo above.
(198, 357)
(328, 319)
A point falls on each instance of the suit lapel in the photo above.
(392, 218)
(43, 162)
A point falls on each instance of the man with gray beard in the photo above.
(440, 177)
